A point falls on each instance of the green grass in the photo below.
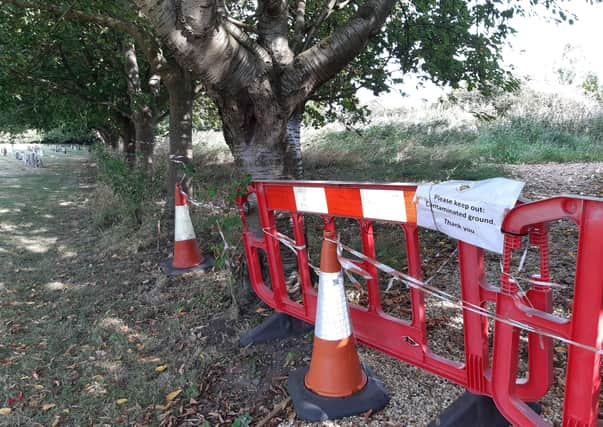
(440, 150)
(85, 320)
(394, 153)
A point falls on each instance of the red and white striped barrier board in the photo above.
(384, 202)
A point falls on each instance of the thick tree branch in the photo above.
(132, 71)
(244, 39)
(240, 24)
(200, 42)
(321, 62)
(273, 29)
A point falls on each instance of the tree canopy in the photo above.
(261, 63)
(56, 75)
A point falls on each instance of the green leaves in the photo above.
(131, 185)
(242, 421)
(60, 72)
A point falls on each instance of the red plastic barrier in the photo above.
(407, 340)
(583, 377)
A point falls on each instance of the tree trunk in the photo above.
(295, 164)
(127, 144)
(256, 134)
(260, 149)
(144, 126)
(108, 136)
(142, 116)
(180, 91)
(113, 139)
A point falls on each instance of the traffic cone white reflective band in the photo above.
(183, 225)
(332, 313)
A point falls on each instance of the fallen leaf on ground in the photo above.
(48, 407)
(149, 359)
(171, 396)
(560, 349)
(121, 401)
(161, 368)
(15, 399)
(56, 422)
(69, 350)
(5, 411)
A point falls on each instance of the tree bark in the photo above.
(180, 90)
(142, 116)
(144, 126)
(255, 129)
(127, 144)
(109, 137)
(295, 163)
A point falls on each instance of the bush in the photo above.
(131, 186)
(106, 207)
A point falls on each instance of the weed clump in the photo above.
(131, 186)
(105, 207)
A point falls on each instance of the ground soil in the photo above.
(93, 333)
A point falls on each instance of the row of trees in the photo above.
(258, 68)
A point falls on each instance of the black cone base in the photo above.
(168, 268)
(312, 407)
(473, 410)
(275, 327)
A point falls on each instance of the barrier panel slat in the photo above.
(493, 375)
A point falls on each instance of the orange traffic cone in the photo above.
(336, 384)
(187, 256)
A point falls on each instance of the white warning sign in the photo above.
(471, 211)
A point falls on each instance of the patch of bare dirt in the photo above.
(550, 179)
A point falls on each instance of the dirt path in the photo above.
(91, 333)
(42, 240)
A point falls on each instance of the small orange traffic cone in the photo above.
(336, 384)
(187, 256)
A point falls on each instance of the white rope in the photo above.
(464, 305)
(415, 283)
(291, 244)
